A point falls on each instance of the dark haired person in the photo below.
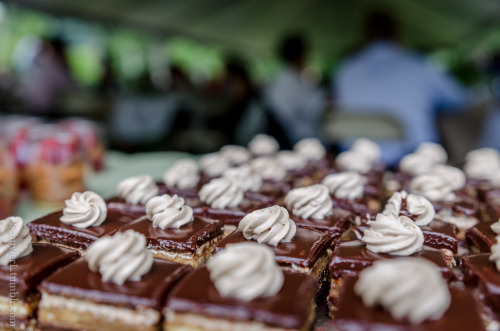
(295, 102)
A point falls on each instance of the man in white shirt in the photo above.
(384, 78)
(295, 103)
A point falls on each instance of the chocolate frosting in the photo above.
(185, 239)
(482, 236)
(51, 228)
(352, 314)
(479, 270)
(77, 281)
(336, 224)
(136, 211)
(350, 257)
(32, 269)
(234, 215)
(196, 294)
(304, 249)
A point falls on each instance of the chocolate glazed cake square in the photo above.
(352, 314)
(195, 304)
(50, 229)
(307, 253)
(335, 224)
(18, 282)
(351, 257)
(481, 274)
(75, 298)
(191, 244)
(481, 237)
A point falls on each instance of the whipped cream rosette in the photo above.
(394, 235)
(245, 177)
(137, 189)
(363, 154)
(120, 258)
(412, 289)
(310, 148)
(84, 210)
(269, 168)
(182, 174)
(214, 164)
(291, 160)
(246, 271)
(235, 154)
(417, 207)
(167, 211)
(495, 253)
(221, 193)
(482, 163)
(263, 144)
(310, 202)
(270, 226)
(15, 240)
(348, 185)
(426, 156)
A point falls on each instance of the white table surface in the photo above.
(118, 166)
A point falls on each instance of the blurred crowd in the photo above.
(170, 112)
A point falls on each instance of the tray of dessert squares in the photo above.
(253, 238)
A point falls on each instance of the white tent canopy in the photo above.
(254, 26)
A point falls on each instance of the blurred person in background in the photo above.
(384, 78)
(294, 103)
(49, 80)
(490, 135)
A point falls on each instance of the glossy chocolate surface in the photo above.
(185, 239)
(336, 224)
(196, 294)
(234, 215)
(304, 249)
(32, 269)
(136, 211)
(462, 315)
(78, 282)
(186, 193)
(479, 270)
(51, 228)
(482, 236)
(350, 257)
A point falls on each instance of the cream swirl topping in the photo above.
(393, 235)
(269, 168)
(182, 174)
(452, 175)
(368, 148)
(346, 185)
(291, 160)
(245, 271)
(84, 210)
(482, 163)
(244, 177)
(310, 148)
(221, 193)
(235, 154)
(409, 288)
(138, 189)
(495, 227)
(433, 187)
(120, 258)
(167, 211)
(354, 161)
(15, 240)
(432, 151)
(495, 253)
(270, 226)
(214, 164)
(420, 209)
(263, 144)
(310, 202)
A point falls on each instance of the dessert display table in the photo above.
(117, 167)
